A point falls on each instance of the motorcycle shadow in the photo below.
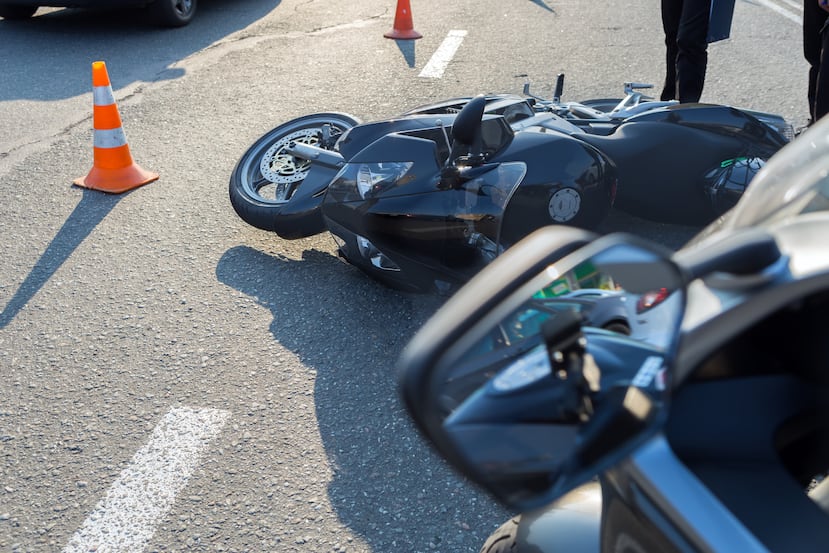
(387, 486)
(670, 236)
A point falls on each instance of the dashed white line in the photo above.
(443, 55)
(125, 520)
(781, 10)
(798, 7)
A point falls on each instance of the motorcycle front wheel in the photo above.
(266, 176)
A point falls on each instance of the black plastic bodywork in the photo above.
(666, 160)
(418, 224)
(675, 164)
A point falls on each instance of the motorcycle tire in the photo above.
(503, 540)
(266, 176)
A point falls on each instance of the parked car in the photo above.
(169, 13)
(604, 309)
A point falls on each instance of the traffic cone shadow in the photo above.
(113, 171)
(403, 28)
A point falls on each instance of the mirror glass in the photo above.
(563, 376)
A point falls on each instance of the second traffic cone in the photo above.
(113, 168)
(403, 27)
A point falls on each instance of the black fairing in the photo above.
(417, 224)
(363, 135)
(718, 119)
(413, 223)
(302, 216)
(418, 232)
(665, 170)
(554, 161)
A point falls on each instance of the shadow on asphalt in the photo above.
(388, 487)
(63, 44)
(90, 211)
(670, 236)
(407, 48)
(543, 4)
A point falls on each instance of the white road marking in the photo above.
(798, 7)
(781, 10)
(125, 520)
(443, 55)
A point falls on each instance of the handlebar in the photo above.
(633, 98)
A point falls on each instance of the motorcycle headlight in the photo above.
(368, 179)
(373, 178)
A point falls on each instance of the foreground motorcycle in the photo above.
(706, 428)
(425, 200)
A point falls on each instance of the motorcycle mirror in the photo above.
(467, 124)
(550, 365)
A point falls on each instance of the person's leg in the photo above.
(822, 79)
(813, 20)
(671, 12)
(692, 41)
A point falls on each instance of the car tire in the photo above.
(173, 13)
(618, 327)
(13, 12)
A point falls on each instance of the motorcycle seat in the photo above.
(656, 140)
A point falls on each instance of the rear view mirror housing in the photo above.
(515, 383)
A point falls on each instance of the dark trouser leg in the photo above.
(692, 42)
(671, 12)
(822, 88)
(815, 43)
(813, 18)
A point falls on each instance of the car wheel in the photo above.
(173, 13)
(619, 327)
(16, 12)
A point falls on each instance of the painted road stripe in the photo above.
(443, 55)
(798, 7)
(781, 10)
(125, 520)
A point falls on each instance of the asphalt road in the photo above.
(175, 380)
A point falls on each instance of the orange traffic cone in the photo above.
(403, 28)
(113, 169)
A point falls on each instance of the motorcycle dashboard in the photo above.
(495, 134)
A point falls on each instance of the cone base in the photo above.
(116, 181)
(400, 34)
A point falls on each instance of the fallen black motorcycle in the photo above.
(703, 428)
(425, 200)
